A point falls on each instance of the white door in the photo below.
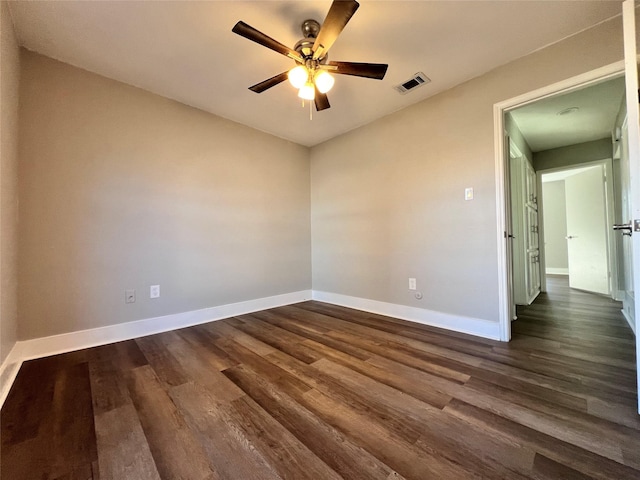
(626, 252)
(587, 230)
(633, 143)
(531, 233)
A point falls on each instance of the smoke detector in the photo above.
(414, 82)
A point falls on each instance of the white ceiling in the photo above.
(598, 107)
(186, 50)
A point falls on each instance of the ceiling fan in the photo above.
(312, 74)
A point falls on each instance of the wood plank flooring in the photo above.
(315, 391)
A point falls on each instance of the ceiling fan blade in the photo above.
(339, 15)
(271, 82)
(321, 101)
(250, 33)
(367, 70)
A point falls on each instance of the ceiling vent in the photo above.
(414, 82)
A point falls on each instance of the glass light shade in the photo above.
(324, 81)
(298, 76)
(307, 91)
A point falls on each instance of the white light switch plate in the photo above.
(468, 193)
(154, 291)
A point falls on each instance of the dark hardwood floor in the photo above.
(315, 391)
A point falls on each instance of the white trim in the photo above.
(629, 320)
(9, 372)
(469, 325)
(67, 342)
(556, 271)
(541, 233)
(499, 109)
(504, 292)
(628, 299)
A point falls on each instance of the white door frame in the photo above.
(499, 109)
(612, 253)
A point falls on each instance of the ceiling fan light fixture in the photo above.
(307, 91)
(311, 55)
(298, 76)
(324, 81)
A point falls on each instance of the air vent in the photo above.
(414, 82)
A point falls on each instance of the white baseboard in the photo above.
(67, 342)
(9, 371)
(556, 271)
(629, 315)
(472, 326)
(629, 320)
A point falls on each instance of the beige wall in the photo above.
(573, 154)
(388, 198)
(9, 82)
(120, 188)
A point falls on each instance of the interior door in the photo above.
(531, 233)
(633, 144)
(587, 230)
(626, 252)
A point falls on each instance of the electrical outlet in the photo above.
(154, 291)
(129, 296)
(412, 284)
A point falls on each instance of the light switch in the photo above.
(468, 193)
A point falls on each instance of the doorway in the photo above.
(541, 158)
(563, 144)
(577, 209)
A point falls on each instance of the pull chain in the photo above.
(310, 108)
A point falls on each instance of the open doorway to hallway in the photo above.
(562, 170)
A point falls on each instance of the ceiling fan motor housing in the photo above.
(310, 29)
